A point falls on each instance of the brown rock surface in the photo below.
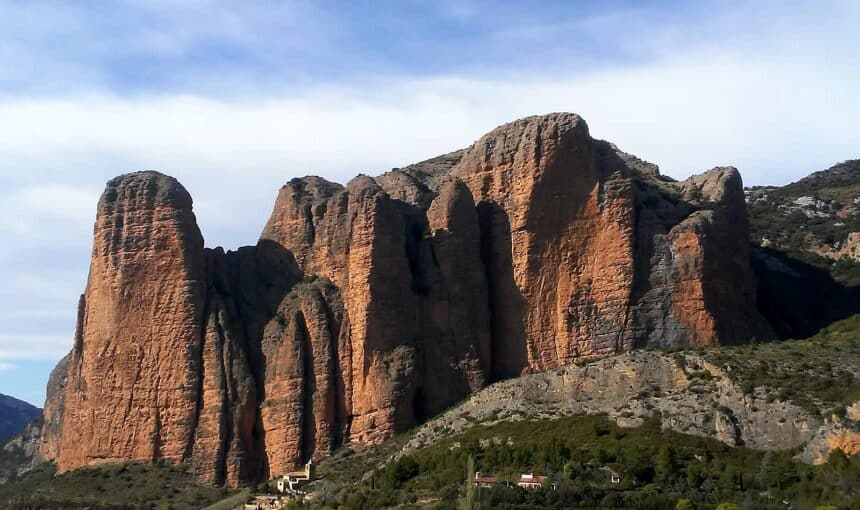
(568, 213)
(413, 290)
(131, 391)
(303, 412)
(366, 309)
(714, 289)
(604, 253)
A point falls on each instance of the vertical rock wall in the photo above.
(366, 309)
(134, 371)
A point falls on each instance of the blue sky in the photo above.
(236, 98)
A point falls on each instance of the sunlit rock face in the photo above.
(367, 308)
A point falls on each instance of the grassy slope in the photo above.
(121, 486)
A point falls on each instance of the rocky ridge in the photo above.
(20, 454)
(690, 394)
(821, 213)
(368, 308)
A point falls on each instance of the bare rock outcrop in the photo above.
(305, 357)
(605, 255)
(630, 388)
(52, 429)
(412, 286)
(131, 390)
(366, 309)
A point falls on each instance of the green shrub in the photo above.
(684, 504)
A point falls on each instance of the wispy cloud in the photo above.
(262, 47)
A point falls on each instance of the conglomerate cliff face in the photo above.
(605, 255)
(366, 309)
(131, 389)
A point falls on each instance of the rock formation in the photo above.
(366, 309)
(629, 388)
(134, 371)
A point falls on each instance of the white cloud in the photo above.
(47, 347)
(774, 120)
(55, 202)
(4, 366)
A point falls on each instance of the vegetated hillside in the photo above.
(816, 219)
(14, 415)
(806, 255)
(820, 374)
(753, 424)
(113, 486)
(657, 469)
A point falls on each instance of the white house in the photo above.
(291, 481)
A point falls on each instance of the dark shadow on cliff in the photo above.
(307, 445)
(507, 305)
(428, 324)
(799, 299)
(654, 216)
(259, 278)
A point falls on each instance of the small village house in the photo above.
(527, 481)
(614, 477)
(484, 481)
(532, 481)
(292, 481)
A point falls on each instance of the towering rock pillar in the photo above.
(134, 372)
(558, 233)
(714, 287)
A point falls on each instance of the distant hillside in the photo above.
(14, 415)
(806, 239)
(816, 219)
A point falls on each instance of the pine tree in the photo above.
(665, 462)
(469, 496)
(767, 470)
